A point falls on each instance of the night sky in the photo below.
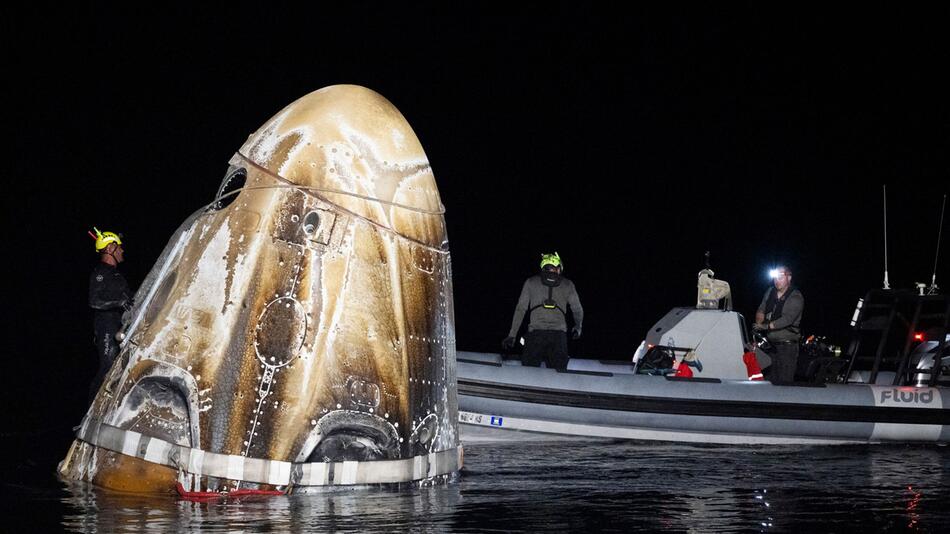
(630, 143)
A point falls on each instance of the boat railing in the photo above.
(887, 326)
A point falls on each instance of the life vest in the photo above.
(774, 305)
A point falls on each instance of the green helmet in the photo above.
(551, 259)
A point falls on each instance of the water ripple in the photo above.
(601, 486)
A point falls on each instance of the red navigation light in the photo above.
(918, 336)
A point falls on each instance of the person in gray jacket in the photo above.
(545, 297)
(779, 316)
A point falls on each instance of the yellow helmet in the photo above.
(550, 259)
(104, 238)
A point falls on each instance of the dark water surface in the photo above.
(545, 486)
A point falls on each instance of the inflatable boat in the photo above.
(887, 386)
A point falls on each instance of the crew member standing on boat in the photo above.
(546, 297)
(779, 316)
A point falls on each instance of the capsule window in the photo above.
(311, 222)
(234, 180)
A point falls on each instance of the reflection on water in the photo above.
(345, 510)
(573, 486)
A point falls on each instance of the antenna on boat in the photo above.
(886, 284)
(932, 290)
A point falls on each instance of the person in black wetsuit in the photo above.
(779, 317)
(109, 297)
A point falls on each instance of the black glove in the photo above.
(760, 327)
(575, 332)
(508, 343)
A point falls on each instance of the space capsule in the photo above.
(298, 331)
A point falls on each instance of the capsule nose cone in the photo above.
(352, 147)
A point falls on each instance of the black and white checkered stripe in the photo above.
(258, 470)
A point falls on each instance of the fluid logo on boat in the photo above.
(496, 421)
(906, 396)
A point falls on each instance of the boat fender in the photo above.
(752, 366)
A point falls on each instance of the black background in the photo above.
(630, 142)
